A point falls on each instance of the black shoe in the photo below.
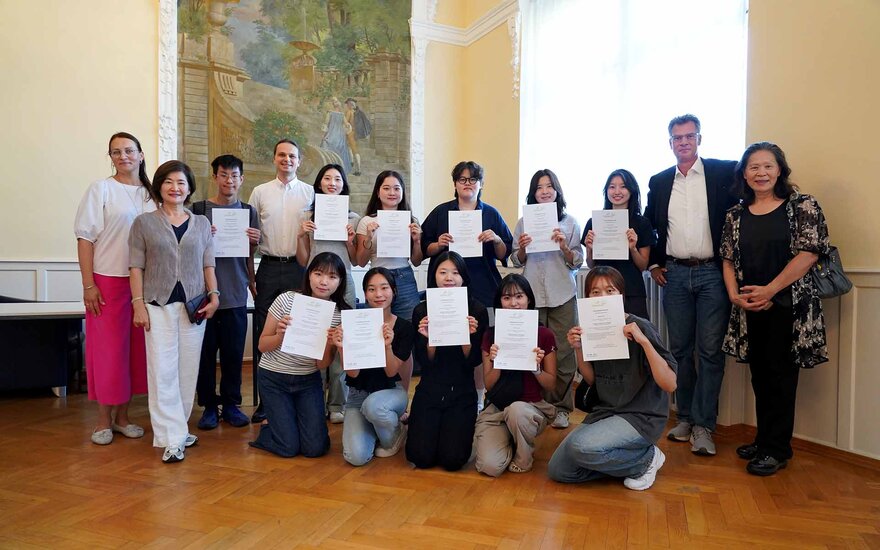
(765, 465)
(209, 419)
(258, 415)
(747, 452)
(233, 416)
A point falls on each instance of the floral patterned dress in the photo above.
(809, 233)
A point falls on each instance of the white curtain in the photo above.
(601, 80)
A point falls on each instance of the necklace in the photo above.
(125, 186)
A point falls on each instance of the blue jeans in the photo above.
(609, 447)
(697, 312)
(407, 296)
(370, 417)
(294, 406)
(333, 378)
(226, 330)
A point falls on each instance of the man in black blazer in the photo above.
(687, 205)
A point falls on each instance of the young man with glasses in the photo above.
(227, 329)
(687, 205)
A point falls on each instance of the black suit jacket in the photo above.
(720, 195)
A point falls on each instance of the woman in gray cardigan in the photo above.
(172, 263)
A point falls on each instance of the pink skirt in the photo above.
(116, 357)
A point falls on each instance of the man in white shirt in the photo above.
(687, 205)
(280, 204)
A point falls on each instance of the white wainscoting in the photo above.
(838, 402)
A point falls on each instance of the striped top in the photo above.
(287, 363)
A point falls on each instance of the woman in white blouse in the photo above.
(116, 362)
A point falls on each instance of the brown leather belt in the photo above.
(692, 262)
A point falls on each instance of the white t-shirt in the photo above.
(375, 261)
(104, 217)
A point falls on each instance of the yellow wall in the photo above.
(444, 97)
(814, 88)
(73, 74)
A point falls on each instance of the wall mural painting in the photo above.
(334, 75)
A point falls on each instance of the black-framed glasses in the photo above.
(463, 181)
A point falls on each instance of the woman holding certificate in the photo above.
(290, 384)
(546, 245)
(622, 193)
(376, 397)
(173, 288)
(769, 245)
(116, 362)
(618, 438)
(444, 407)
(329, 227)
(516, 413)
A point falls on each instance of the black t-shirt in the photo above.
(635, 284)
(765, 248)
(450, 367)
(371, 380)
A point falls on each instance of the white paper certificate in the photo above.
(609, 228)
(602, 319)
(231, 240)
(362, 344)
(307, 333)
(392, 237)
(447, 317)
(516, 333)
(465, 226)
(539, 221)
(331, 217)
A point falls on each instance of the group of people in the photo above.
(714, 233)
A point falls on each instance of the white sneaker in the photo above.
(172, 454)
(561, 420)
(337, 417)
(645, 480)
(191, 439)
(382, 452)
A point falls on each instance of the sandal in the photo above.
(516, 469)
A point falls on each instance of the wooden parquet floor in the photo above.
(58, 490)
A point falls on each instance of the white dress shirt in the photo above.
(689, 234)
(281, 208)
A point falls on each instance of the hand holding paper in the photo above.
(602, 319)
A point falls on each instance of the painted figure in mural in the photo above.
(334, 129)
(357, 126)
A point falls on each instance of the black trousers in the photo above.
(225, 331)
(774, 379)
(441, 426)
(273, 278)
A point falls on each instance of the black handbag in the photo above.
(507, 389)
(828, 275)
(585, 397)
(193, 306)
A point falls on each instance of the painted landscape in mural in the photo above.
(331, 74)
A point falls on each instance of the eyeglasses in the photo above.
(228, 177)
(128, 151)
(463, 181)
(685, 137)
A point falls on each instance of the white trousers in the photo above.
(174, 348)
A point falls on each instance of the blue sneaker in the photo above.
(233, 416)
(209, 419)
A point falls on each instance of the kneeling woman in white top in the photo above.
(290, 385)
(618, 438)
(376, 397)
(516, 413)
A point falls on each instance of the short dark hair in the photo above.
(635, 196)
(331, 262)
(604, 272)
(167, 168)
(453, 257)
(476, 172)
(554, 181)
(783, 188)
(514, 280)
(286, 140)
(385, 272)
(229, 162)
(684, 119)
(320, 176)
(375, 203)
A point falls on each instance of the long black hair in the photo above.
(554, 181)
(328, 261)
(375, 204)
(635, 196)
(142, 168)
(453, 257)
(320, 176)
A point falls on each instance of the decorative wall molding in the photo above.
(417, 125)
(514, 28)
(167, 80)
(447, 34)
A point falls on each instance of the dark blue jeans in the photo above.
(697, 312)
(225, 331)
(294, 406)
